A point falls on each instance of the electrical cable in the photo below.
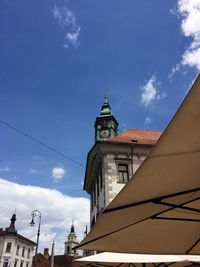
(41, 143)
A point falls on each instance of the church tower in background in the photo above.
(105, 125)
(71, 242)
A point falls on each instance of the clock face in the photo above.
(104, 133)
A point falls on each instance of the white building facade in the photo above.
(15, 249)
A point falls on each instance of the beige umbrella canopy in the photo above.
(109, 259)
(158, 211)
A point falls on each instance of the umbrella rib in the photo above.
(90, 264)
(150, 217)
(160, 264)
(180, 206)
(122, 228)
(171, 208)
(174, 154)
(131, 264)
(96, 264)
(102, 264)
(168, 264)
(189, 250)
(154, 200)
(174, 219)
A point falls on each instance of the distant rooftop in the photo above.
(137, 136)
(5, 232)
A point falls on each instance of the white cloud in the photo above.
(147, 121)
(189, 12)
(5, 169)
(58, 173)
(64, 16)
(72, 37)
(66, 19)
(174, 70)
(150, 93)
(57, 211)
(192, 58)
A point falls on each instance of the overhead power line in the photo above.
(41, 143)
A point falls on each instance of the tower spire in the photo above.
(105, 124)
(105, 109)
(11, 228)
(72, 234)
(71, 242)
(106, 96)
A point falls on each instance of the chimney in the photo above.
(46, 253)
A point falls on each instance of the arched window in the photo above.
(17, 250)
(5, 263)
(15, 263)
(8, 247)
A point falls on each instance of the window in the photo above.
(93, 221)
(100, 178)
(23, 251)
(27, 264)
(15, 263)
(21, 264)
(123, 172)
(92, 201)
(5, 263)
(28, 255)
(98, 189)
(17, 250)
(104, 124)
(95, 196)
(8, 247)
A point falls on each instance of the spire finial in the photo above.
(72, 234)
(106, 97)
(72, 230)
(105, 110)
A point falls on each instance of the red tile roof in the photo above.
(6, 233)
(59, 260)
(137, 136)
(63, 260)
(42, 261)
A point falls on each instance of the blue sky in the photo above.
(57, 60)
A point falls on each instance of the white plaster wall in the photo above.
(116, 188)
(93, 213)
(101, 199)
(112, 155)
(12, 255)
(113, 187)
(100, 205)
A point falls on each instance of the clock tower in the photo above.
(105, 124)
